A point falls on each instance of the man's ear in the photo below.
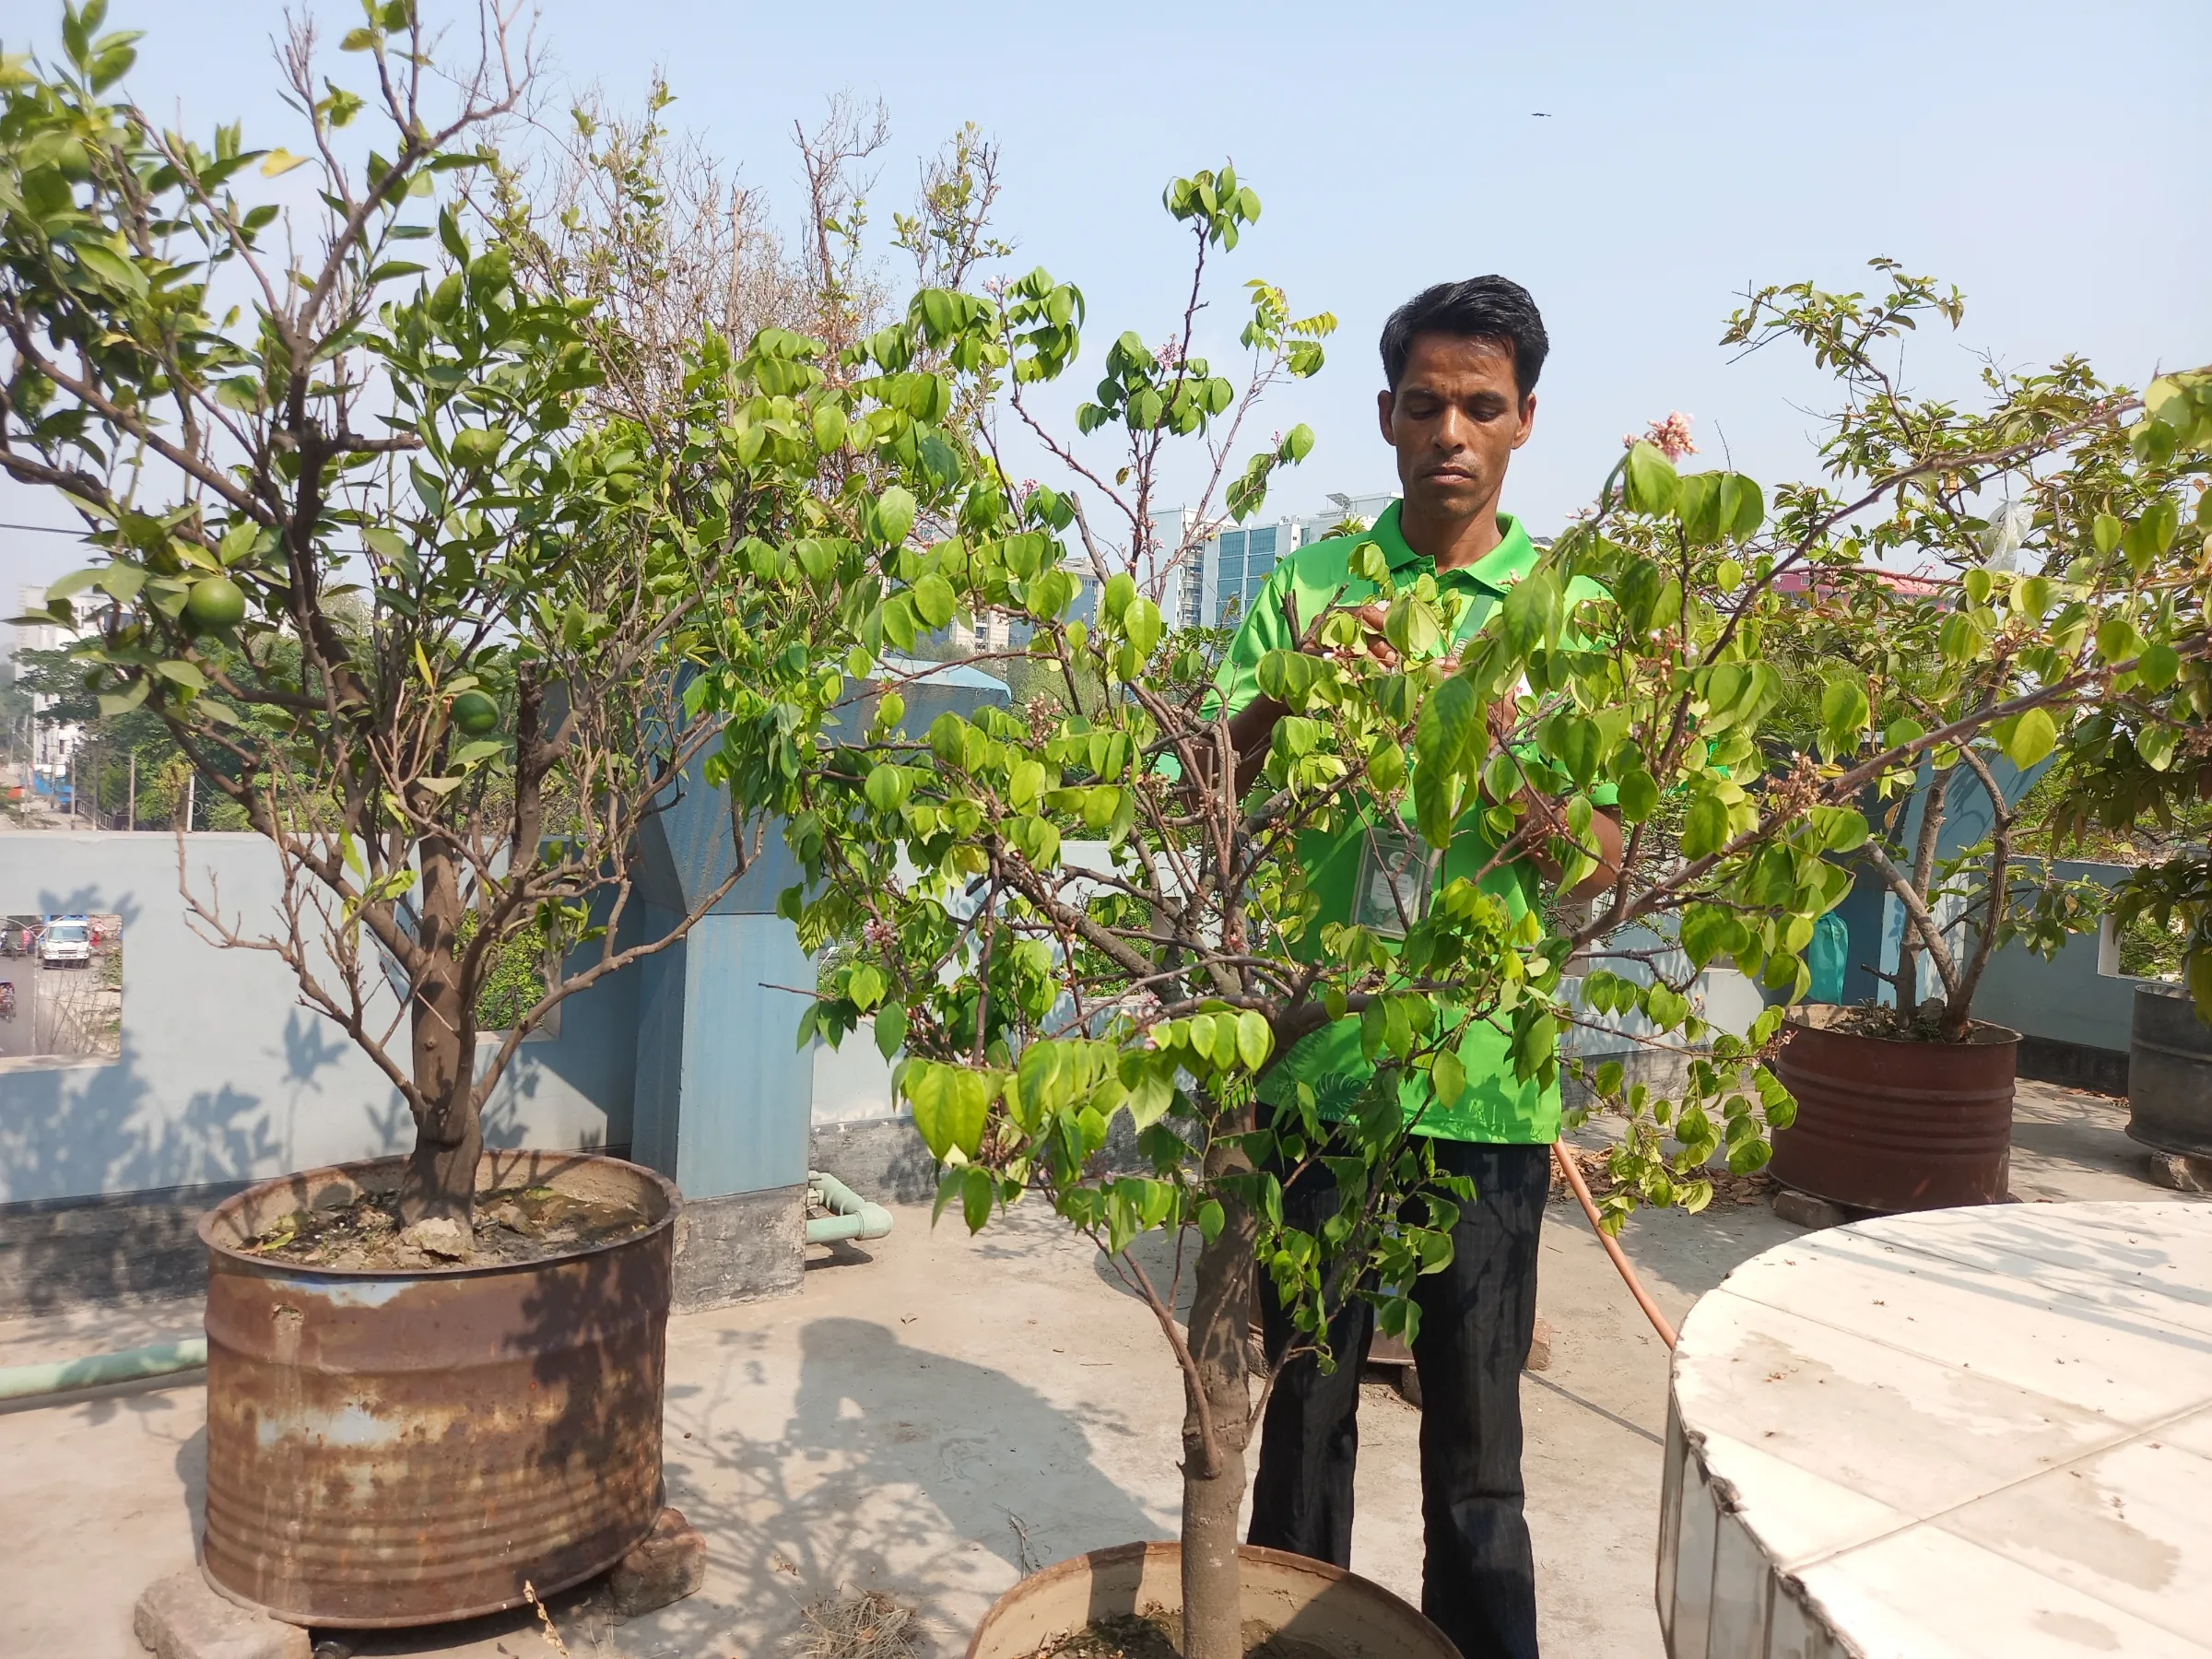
(1528, 420)
(1384, 400)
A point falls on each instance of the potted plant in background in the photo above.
(1039, 998)
(2141, 764)
(2049, 518)
(423, 630)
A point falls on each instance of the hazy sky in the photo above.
(2048, 159)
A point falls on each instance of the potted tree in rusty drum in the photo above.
(2060, 604)
(424, 632)
(1081, 926)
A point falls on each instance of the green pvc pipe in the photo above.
(854, 1216)
(94, 1370)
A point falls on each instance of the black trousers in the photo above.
(1477, 1316)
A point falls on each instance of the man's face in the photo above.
(1455, 420)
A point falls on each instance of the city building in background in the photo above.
(1218, 584)
(50, 743)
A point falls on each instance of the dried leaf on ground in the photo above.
(867, 1626)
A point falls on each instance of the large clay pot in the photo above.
(1318, 1606)
(1888, 1124)
(2169, 1072)
(394, 1449)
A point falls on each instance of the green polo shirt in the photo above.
(1494, 1107)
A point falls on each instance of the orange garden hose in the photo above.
(1565, 1160)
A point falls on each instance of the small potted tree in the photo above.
(424, 632)
(1082, 917)
(2044, 517)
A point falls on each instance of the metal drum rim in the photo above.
(263, 1267)
(327, 1621)
(1796, 1021)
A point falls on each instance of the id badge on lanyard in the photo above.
(1397, 878)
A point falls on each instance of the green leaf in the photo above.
(1843, 716)
(1255, 1041)
(1148, 1098)
(1449, 1078)
(894, 514)
(1652, 483)
(2158, 666)
(976, 1191)
(113, 703)
(1705, 828)
(1528, 610)
(950, 1104)
(1443, 745)
(1708, 930)
(1638, 797)
(890, 1030)
(111, 266)
(1143, 625)
(1577, 745)
(933, 599)
(2033, 736)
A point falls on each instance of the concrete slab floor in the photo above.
(935, 1414)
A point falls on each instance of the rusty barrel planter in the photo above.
(395, 1449)
(2169, 1072)
(1888, 1125)
(1314, 1607)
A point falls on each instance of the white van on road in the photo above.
(66, 943)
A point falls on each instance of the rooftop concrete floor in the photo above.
(935, 1414)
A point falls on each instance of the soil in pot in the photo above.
(1126, 1603)
(512, 1225)
(1151, 1635)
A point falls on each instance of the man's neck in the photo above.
(1455, 542)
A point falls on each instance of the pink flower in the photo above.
(878, 935)
(1669, 437)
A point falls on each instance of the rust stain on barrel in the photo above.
(399, 1449)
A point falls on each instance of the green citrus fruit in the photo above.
(475, 713)
(216, 602)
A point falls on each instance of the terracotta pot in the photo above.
(1888, 1124)
(394, 1449)
(1311, 1603)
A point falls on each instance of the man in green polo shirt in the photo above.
(1460, 362)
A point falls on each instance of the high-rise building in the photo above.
(1223, 579)
(51, 742)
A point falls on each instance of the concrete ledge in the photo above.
(2073, 1064)
(124, 1247)
(882, 1158)
(119, 1248)
(181, 1618)
(1660, 1070)
(739, 1247)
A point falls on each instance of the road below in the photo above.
(59, 1011)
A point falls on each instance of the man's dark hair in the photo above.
(1481, 308)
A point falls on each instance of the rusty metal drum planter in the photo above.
(1888, 1124)
(396, 1449)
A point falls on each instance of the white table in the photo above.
(1975, 1432)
